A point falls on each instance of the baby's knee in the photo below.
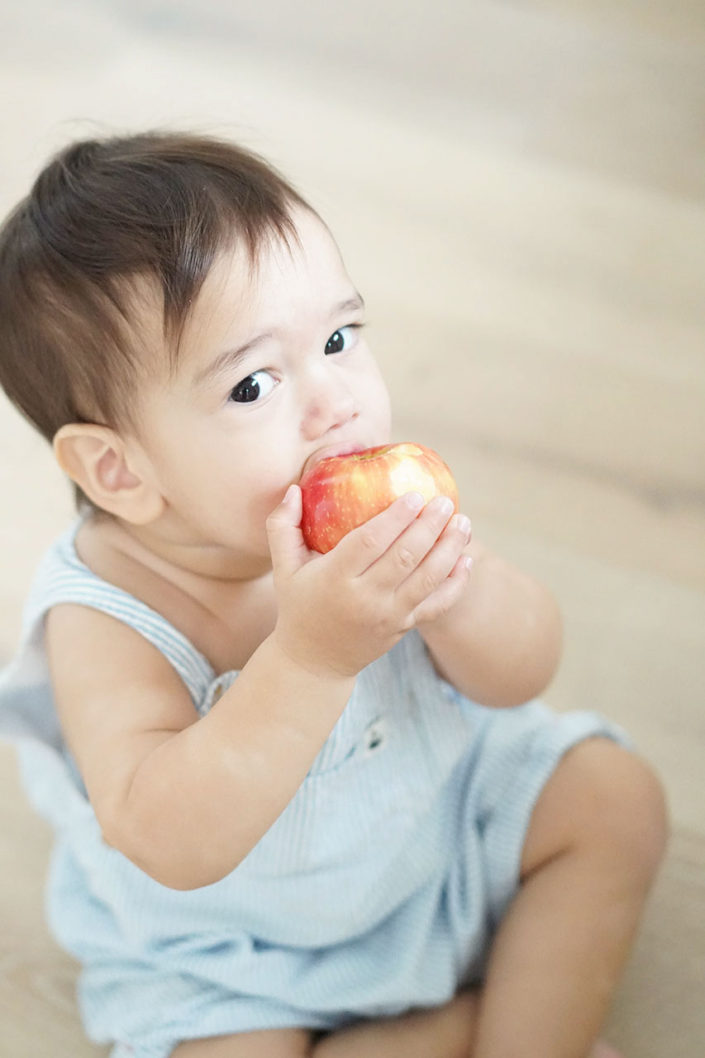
(624, 805)
(608, 802)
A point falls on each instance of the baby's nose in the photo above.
(331, 404)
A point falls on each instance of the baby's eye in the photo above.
(252, 388)
(342, 339)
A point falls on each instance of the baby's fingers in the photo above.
(446, 595)
(429, 574)
(365, 545)
(430, 545)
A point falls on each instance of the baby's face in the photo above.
(273, 368)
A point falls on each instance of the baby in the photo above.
(305, 805)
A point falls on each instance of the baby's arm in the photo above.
(187, 799)
(184, 798)
(500, 643)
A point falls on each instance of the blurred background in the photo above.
(519, 192)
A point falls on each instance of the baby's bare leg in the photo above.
(444, 1032)
(271, 1043)
(595, 841)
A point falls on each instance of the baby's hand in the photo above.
(340, 611)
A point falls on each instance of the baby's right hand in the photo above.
(338, 612)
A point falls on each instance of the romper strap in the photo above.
(63, 578)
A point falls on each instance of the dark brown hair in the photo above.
(103, 216)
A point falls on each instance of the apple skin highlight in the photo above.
(342, 492)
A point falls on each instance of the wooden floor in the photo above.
(519, 190)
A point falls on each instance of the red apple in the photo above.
(341, 492)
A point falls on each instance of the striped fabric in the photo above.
(377, 889)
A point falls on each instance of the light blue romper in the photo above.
(376, 890)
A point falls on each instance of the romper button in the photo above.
(375, 736)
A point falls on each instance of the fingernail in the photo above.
(463, 524)
(467, 562)
(289, 494)
(414, 500)
(444, 506)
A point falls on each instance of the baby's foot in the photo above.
(605, 1050)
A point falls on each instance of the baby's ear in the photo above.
(108, 470)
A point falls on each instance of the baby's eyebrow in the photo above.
(350, 304)
(228, 360)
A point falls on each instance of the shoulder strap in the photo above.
(63, 578)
